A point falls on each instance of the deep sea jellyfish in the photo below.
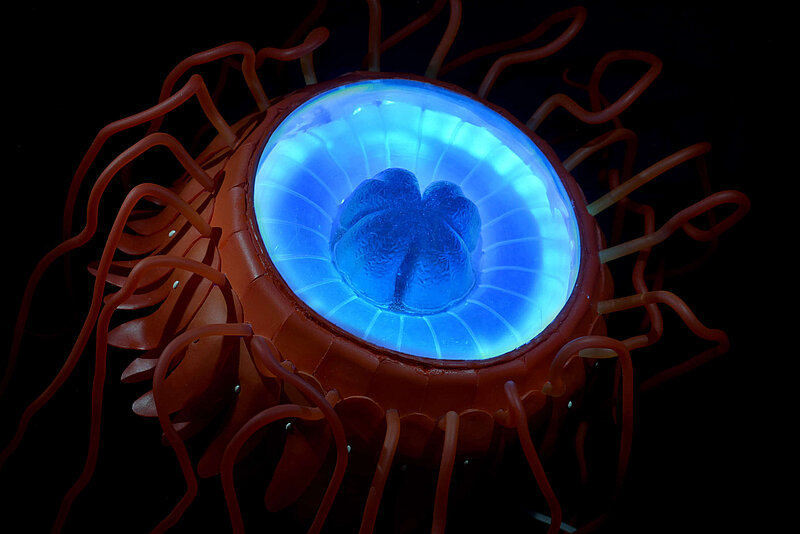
(371, 283)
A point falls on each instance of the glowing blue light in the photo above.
(405, 251)
(525, 261)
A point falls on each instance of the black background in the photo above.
(704, 446)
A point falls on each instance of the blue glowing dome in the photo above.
(417, 219)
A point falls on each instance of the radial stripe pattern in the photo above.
(529, 253)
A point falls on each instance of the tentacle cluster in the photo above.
(202, 357)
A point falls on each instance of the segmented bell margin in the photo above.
(374, 379)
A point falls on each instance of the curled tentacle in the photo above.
(531, 36)
(604, 141)
(450, 424)
(265, 359)
(620, 105)
(92, 209)
(578, 16)
(374, 36)
(681, 220)
(138, 193)
(689, 319)
(381, 472)
(195, 86)
(220, 52)
(585, 347)
(100, 364)
(258, 422)
(447, 40)
(520, 420)
(303, 52)
(641, 178)
(164, 362)
(414, 26)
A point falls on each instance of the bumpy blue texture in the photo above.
(403, 250)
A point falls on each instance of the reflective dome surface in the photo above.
(480, 302)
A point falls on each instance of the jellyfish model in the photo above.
(375, 271)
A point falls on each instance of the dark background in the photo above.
(705, 446)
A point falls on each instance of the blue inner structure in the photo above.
(417, 219)
(405, 251)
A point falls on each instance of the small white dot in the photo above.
(171, 233)
(175, 284)
(466, 462)
(237, 388)
(569, 404)
(288, 426)
(348, 448)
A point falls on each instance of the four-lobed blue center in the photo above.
(403, 250)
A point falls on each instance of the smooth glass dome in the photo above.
(525, 261)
